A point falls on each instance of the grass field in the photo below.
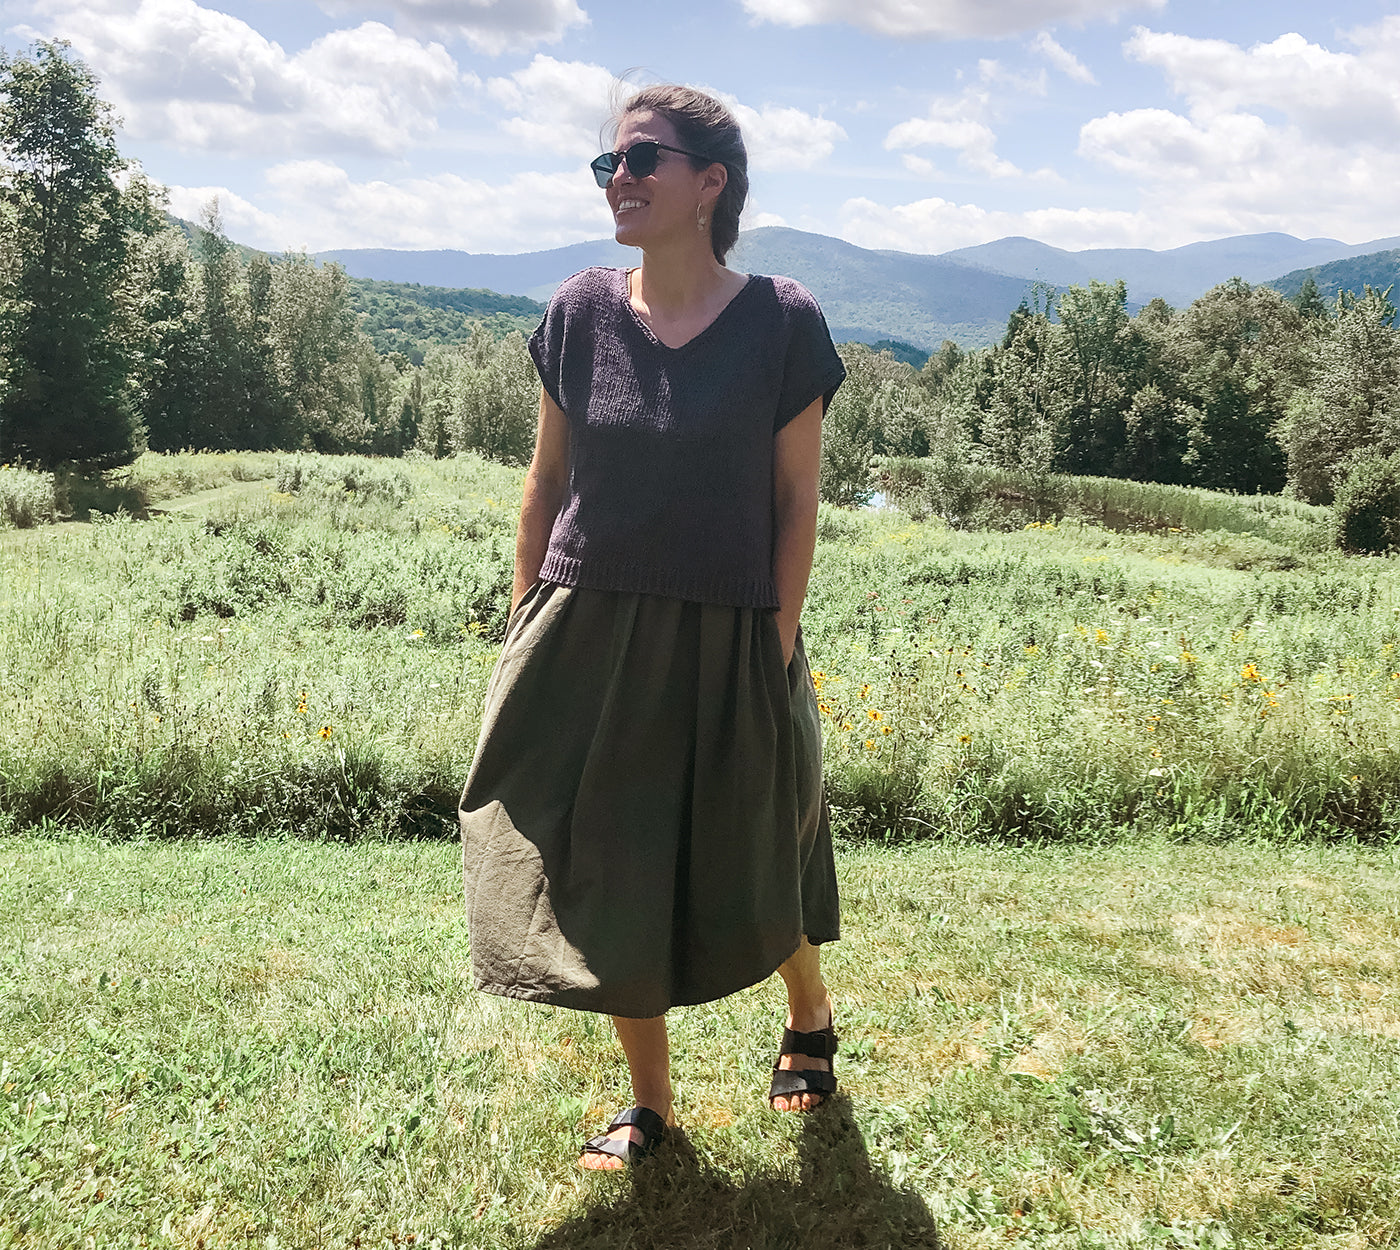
(1118, 859)
(237, 1043)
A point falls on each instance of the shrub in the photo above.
(1366, 516)
(27, 498)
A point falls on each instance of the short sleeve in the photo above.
(546, 347)
(812, 369)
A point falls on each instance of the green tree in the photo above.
(171, 373)
(1352, 403)
(67, 354)
(1240, 353)
(316, 346)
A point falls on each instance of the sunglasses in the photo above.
(641, 160)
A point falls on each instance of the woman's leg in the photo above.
(648, 1054)
(809, 1009)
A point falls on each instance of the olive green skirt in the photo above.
(643, 826)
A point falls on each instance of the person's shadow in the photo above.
(674, 1201)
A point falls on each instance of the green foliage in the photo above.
(64, 356)
(408, 318)
(27, 498)
(1367, 511)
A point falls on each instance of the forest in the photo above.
(122, 332)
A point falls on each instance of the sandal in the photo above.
(653, 1130)
(820, 1044)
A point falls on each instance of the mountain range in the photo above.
(965, 294)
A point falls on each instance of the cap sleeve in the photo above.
(546, 346)
(811, 368)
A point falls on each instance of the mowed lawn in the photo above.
(276, 1044)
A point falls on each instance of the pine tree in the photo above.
(67, 393)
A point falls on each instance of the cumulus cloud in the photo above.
(1062, 58)
(1285, 135)
(317, 205)
(779, 137)
(960, 123)
(204, 80)
(556, 105)
(490, 26)
(947, 19)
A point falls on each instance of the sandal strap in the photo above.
(820, 1044)
(653, 1129)
(801, 1081)
(644, 1118)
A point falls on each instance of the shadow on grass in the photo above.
(676, 1201)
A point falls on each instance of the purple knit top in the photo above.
(671, 449)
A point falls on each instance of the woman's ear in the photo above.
(716, 179)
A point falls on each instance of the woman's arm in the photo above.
(546, 481)
(797, 450)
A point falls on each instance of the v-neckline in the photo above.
(699, 334)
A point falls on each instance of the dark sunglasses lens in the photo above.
(641, 159)
(604, 167)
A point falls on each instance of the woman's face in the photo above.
(664, 203)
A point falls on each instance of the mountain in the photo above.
(1378, 270)
(966, 294)
(532, 274)
(866, 295)
(1178, 275)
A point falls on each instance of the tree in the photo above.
(1352, 404)
(66, 363)
(1239, 352)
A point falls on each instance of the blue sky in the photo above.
(922, 125)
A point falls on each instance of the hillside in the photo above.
(1376, 269)
(408, 318)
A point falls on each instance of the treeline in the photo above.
(119, 333)
(1243, 391)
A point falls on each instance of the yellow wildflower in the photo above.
(326, 732)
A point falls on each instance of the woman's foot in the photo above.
(631, 1137)
(808, 1046)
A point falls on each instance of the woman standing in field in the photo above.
(643, 826)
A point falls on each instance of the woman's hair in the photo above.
(703, 125)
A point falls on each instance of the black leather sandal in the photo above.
(653, 1129)
(788, 1082)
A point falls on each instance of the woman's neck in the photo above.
(677, 280)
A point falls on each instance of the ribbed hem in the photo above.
(640, 579)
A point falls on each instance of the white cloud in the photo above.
(959, 122)
(1285, 135)
(557, 105)
(317, 205)
(1062, 58)
(203, 80)
(778, 137)
(1337, 97)
(919, 166)
(1027, 84)
(490, 26)
(949, 19)
(938, 225)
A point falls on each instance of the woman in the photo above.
(643, 825)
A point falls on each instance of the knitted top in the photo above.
(671, 449)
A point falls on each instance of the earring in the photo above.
(700, 220)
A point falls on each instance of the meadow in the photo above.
(299, 644)
(1117, 816)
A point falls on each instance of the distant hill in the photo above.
(965, 295)
(409, 318)
(1375, 269)
(1179, 275)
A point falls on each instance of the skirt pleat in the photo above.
(643, 825)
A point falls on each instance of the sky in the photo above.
(920, 125)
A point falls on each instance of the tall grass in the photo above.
(1020, 497)
(312, 659)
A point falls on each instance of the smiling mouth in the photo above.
(624, 205)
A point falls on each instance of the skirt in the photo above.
(643, 826)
